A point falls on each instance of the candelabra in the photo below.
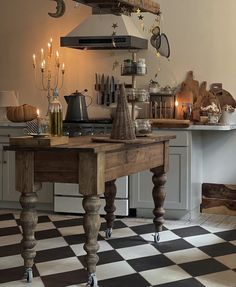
(50, 69)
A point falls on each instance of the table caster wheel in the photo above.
(92, 280)
(108, 232)
(156, 237)
(28, 275)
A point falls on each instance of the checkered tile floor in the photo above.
(187, 256)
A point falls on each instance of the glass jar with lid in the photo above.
(142, 127)
(55, 115)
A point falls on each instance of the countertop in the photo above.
(205, 128)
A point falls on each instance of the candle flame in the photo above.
(176, 103)
(37, 112)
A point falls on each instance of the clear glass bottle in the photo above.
(55, 115)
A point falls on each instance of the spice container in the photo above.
(141, 67)
(142, 95)
(127, 66)
(142, 127)
(55, 114)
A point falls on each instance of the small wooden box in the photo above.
(32, 141)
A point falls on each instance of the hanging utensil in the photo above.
(107, 92)
(102, 89)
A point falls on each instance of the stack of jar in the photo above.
(132, 67)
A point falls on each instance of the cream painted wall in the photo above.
(201, 34)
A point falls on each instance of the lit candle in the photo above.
(34, 61)
(49, 49)
(176, 103)
(39, 130)
(63, 68)
(57, 59)
(43, 66)
(42, 55)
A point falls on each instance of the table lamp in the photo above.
(7, 99)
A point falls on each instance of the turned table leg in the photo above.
(110, 194)
(91, 225)
(158, 194)
(28, 199)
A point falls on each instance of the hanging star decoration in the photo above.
(115, 65)
(140, 17)
(114, 26)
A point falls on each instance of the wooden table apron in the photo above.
(95, 166)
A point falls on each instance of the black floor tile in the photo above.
(44, 234)
(125, 281)
(66, 278)
(78, 239)
(117, 224)
(146, 228)
(228, 235)
(54, 254)
(202, 267)
(219, 249)
(8, 250)
(191, 282)
(7, 216)
(9, 230)
(43, 218)
(13, 274)
(190, 231)
(150, 262)
(68, 222)
(126, 242)
(104, 257)
(172, 245)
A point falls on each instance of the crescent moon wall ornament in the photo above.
(61, 8)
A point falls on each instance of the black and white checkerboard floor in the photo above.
(186, 256)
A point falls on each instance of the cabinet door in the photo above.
(176, 186)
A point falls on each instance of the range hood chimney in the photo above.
(96, 33)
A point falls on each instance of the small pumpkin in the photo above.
(23, 113)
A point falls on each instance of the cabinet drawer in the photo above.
(182, 137)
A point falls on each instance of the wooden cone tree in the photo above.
(123, 127)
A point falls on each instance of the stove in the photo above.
(89, 127)
(67, 198)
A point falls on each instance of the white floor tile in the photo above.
(228, 260)
(45, 226)
(120, 233)
(204, 239)
(137, 251)
(37, 282)
(71, 230)
(219, 279)
(165, 275)
(188, 255)
(233, 242)
(58, 266)
(49, 243)
(8, 240)
(136, 221)
(11, 261)
(7, 223)
(166, 235)
(79, 250)
(112, 270)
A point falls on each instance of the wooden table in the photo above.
(95, 166)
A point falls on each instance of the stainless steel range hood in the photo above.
(96, 32)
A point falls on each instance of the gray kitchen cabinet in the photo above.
(9, 197)
(183, 179)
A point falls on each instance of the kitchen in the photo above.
(207, 62)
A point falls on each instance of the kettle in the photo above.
(77, 107)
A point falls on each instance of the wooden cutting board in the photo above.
(170, 123)
(31, 141)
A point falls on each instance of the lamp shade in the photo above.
(8, 99)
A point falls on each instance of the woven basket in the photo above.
(123, 127)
